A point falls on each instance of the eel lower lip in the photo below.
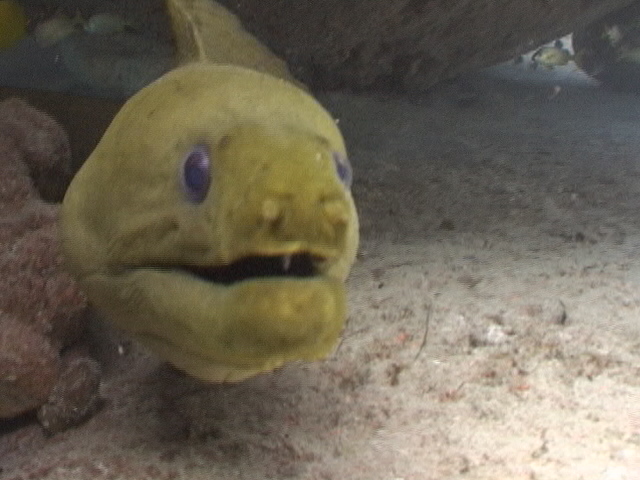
(297, 265)
(271, 310)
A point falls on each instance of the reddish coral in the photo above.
(40, 306)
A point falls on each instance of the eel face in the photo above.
(214, 222)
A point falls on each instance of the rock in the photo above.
(41, 309)
(489, 335)
(29, 367)
(74, 397)
(96, 115)
(553, 311)
(407, 44)
(607, 49)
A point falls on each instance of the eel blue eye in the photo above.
(343, 168)
(196, 175)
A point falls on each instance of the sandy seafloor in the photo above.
(494, 325)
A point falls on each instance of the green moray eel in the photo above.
(214, 222)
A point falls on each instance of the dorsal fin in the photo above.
(205, 31)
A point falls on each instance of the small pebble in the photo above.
(74, 398)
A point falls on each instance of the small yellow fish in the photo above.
(550, 57)
(612, 34)
(56, 29)
(106, 24)
(13, 23)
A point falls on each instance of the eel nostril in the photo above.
(271, 211)
(336, 211)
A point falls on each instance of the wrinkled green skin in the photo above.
(129, 228)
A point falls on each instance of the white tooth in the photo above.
(286, 262)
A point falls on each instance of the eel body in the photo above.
(215, 224)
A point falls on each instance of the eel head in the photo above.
(214, 222)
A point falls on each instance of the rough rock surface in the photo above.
(41, 308)
(407, 44)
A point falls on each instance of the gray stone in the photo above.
(407, 44)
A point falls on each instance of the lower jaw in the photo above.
(224, 333)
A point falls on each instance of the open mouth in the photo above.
(291, 265)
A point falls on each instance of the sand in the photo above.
(494, 325)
